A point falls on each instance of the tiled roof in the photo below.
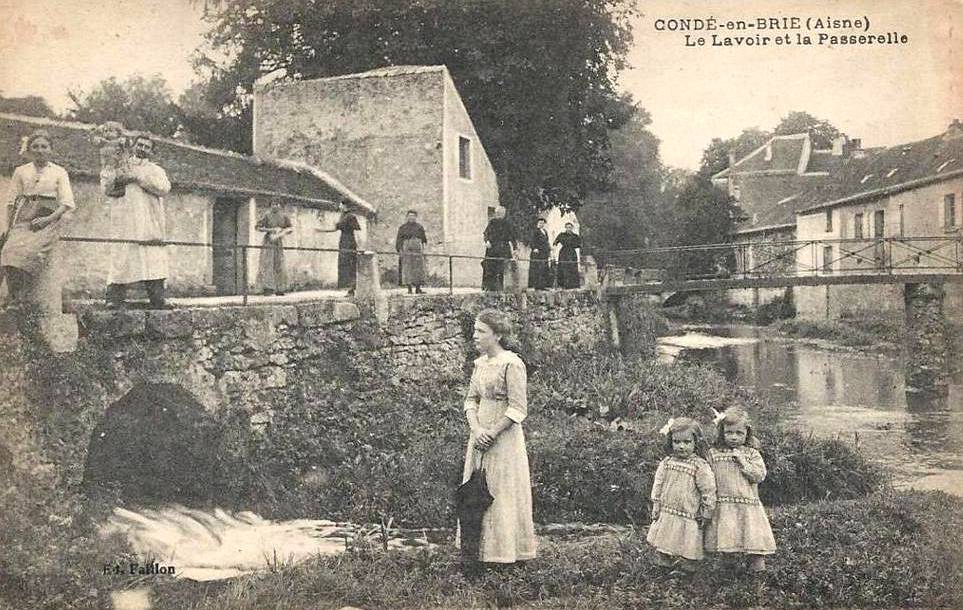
(779, 215)
(888, 171)
(786, 152)
(188, 166)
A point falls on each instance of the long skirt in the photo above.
(539, 274)
(29, 250)
(493, 267)
(567, 272)
(507, 529)
(347, 267)
(271, 271)
(412, 262)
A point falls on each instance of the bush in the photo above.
(852, 332)
(610, 387)
(398, 452)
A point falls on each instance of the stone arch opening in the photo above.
(157, 444)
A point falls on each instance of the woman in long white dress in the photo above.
(495, 407)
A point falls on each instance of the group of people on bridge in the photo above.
(40, 199)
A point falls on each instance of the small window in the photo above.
(858, 226)
(464, 157)
(829, 221)
(736, 193)
(949, 211)
(491, 212)
(827, 259)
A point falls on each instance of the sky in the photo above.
(883, 94)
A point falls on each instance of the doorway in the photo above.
(228, 258)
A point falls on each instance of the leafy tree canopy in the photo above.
(635, 212)
(31, 105)
(536, 76)
(140, 103)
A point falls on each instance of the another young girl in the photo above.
(115, 152)
(740, 524)
(683, 496)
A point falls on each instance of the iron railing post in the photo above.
(243, 273)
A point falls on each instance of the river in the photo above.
(855, 396)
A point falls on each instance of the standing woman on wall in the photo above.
(495, 407)
(568, 257)
(347, 247)
(272, 276)
(39, 196)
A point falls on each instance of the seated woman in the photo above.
(38, 198)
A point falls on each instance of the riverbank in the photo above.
(887, 550)
(392, 452)
(880, 335)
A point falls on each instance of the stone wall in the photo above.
(245, 363)
(832, 302)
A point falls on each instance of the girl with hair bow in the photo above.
(683, 497)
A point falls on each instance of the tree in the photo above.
(31, 105)
(139, 103)
(715, 158)
(823, 132)
(204, 122)
(536, 76)
(635, 213)
(705, 214)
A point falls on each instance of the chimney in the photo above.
(955, 130)
(732, 157)
(840, 146)
(769, 150)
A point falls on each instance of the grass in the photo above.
(891, 549)
(851, 332)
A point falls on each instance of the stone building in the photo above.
(216, 197)
(400, 137)
(903, 193)
(767, 184)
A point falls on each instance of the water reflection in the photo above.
(856, 397)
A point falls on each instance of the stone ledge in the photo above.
(327, 312)
(169, 324)
(103, 323)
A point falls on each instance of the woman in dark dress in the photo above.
(539, 276)
(347, 248)
(568, 257)
(499, 251)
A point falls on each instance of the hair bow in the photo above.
(717, 416)
(667, 427)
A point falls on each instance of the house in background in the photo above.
(909, 191)
(216, 197)
(399, 137)
(767, 184)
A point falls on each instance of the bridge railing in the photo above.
(443, 270)
(788, 258)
